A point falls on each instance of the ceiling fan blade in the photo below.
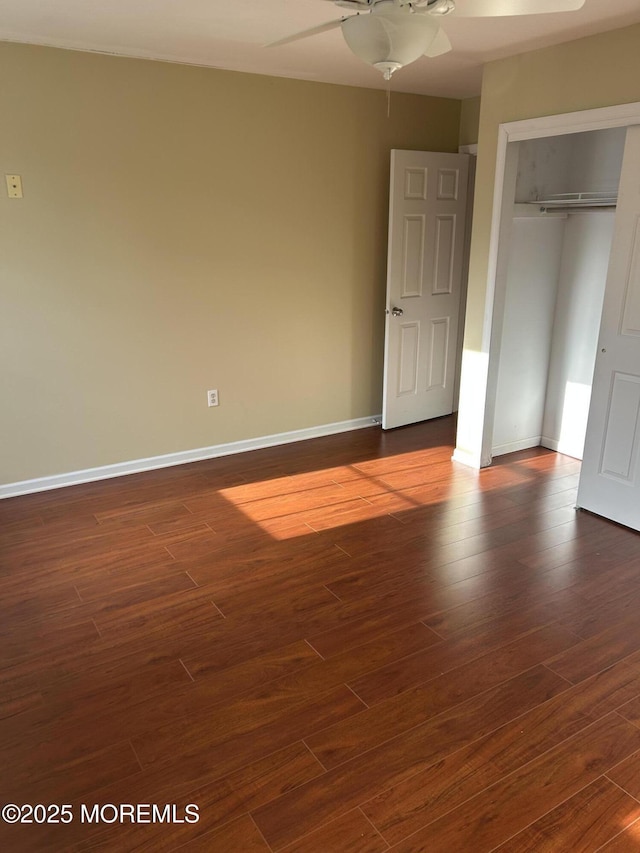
(358, 5)
(439, 45)
(495, 8)
(313, 31)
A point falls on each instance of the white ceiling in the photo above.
(231, 33)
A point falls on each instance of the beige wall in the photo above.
(593, 72)
(183, 229)
(469, 121)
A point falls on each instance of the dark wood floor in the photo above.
(348, 644)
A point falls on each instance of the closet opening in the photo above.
(559, 229)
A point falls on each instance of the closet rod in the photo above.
(577, 208)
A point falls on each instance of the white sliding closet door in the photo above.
(610, 478)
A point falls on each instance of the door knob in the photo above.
(397, 312)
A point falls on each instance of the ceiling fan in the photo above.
(394, 33)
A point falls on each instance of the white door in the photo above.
(610, 477)
(427, 208)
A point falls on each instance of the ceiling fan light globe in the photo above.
(391, 35)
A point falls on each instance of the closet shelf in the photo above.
(576, 201)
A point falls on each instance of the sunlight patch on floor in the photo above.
(298, 504)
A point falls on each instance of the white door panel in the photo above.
(610, 478)
(427, 211)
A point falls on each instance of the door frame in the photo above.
(468, 225)
(477, 405)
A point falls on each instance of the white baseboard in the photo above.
(550, 443)
(466, 458)
(135, 466)
(511, 447)
(554, 444)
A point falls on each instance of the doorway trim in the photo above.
(621, 115)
